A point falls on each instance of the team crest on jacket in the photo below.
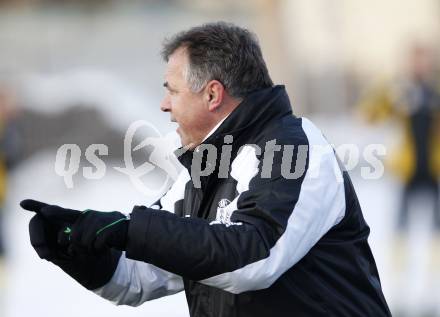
(224, 212)
(223, 203)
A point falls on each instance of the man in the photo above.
(249, 238)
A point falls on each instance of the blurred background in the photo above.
(80, 72)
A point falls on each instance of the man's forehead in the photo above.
(178, 58)
(176, 63)
(172, 70)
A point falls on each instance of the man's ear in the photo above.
(215, 92)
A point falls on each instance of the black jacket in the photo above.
(278, 232)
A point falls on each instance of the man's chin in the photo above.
(187, 144)
(184, 142)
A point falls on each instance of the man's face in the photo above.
(189, 109)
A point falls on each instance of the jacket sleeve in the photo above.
(274, 221)
(135, 282)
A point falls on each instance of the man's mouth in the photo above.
(178, 127)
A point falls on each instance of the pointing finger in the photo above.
(32, 205)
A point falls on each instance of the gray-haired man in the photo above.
(243, 239)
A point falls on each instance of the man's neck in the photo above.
(215, 128)
(230, 104)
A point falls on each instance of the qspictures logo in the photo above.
(207, 159)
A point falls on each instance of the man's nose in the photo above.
(165, 105)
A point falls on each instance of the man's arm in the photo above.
(102, 267)
(274, 224)
(135, 282)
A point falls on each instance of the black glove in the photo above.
(89, 229)
(48, 238)
(96, 230)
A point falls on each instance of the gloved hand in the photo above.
(89, 229)
(48, 238)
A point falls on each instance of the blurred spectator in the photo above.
(415, 102)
